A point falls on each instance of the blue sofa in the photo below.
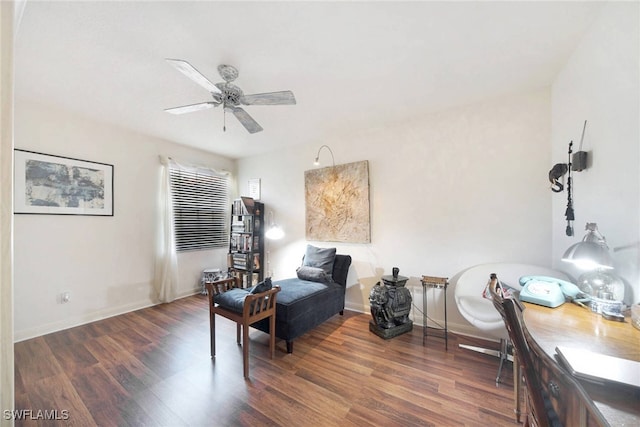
(304, 304)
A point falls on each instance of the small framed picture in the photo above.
(254, 188)
(48, 184)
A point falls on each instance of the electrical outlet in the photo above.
(65, 297)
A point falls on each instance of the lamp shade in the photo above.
(592, 252)
(274, 232)
(589, 256)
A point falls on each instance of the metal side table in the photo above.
(430, 282)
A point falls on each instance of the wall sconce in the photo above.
(274, 232)
(316, 162)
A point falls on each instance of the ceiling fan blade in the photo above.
(190, 108)
(189, 70)
(247, 121)
(284, 97)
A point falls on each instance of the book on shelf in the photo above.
(243, 206)
(239, 260)
(245, 279)
(244, 225)
(237, 227)
(241, 242)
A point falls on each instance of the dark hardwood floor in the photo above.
(152, 367)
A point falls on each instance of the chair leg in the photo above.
(238, 333)
(503, 357)
(501, 354)
(272, 335)
(245, 349)
(516, 386)
(212, 333)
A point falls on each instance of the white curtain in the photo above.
(166, 271)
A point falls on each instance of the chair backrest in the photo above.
(341, 269)
(511, 311)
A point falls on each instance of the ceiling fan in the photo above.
(228, 95)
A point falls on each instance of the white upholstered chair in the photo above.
(480, 312)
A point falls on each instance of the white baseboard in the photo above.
(456, 328)
(74, 321)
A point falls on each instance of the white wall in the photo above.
(448, 191)
(7, 31)
(600, 84)
(106, 263)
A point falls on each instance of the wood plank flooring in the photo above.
(152, 367)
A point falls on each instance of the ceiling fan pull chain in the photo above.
(224, 120)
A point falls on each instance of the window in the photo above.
(200, 208)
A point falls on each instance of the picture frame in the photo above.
(253, 186)
(56, 185)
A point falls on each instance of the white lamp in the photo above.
(274, 232)
(592, 252)
(605, 288)
(317, 159)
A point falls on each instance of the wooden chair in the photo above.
(255, 307)
(540, 408)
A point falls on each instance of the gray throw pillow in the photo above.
(313, 274)
(263, 286)
(320, 258)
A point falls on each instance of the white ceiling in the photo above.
(351, 65)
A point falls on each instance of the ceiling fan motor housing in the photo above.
(231, 94)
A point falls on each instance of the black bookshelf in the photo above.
(246, 241)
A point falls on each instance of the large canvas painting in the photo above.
(337, 203)
(46, 184)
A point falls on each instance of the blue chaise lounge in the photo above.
(304, 304)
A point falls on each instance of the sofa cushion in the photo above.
(313, 274)
(302, 298)
(320, 258)
(232, 300)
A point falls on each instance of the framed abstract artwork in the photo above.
(337, 203)
(47, 184)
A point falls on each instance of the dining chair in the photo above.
(540, 408)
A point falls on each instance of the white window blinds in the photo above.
(200, 208)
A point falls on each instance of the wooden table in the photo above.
(573, 326)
